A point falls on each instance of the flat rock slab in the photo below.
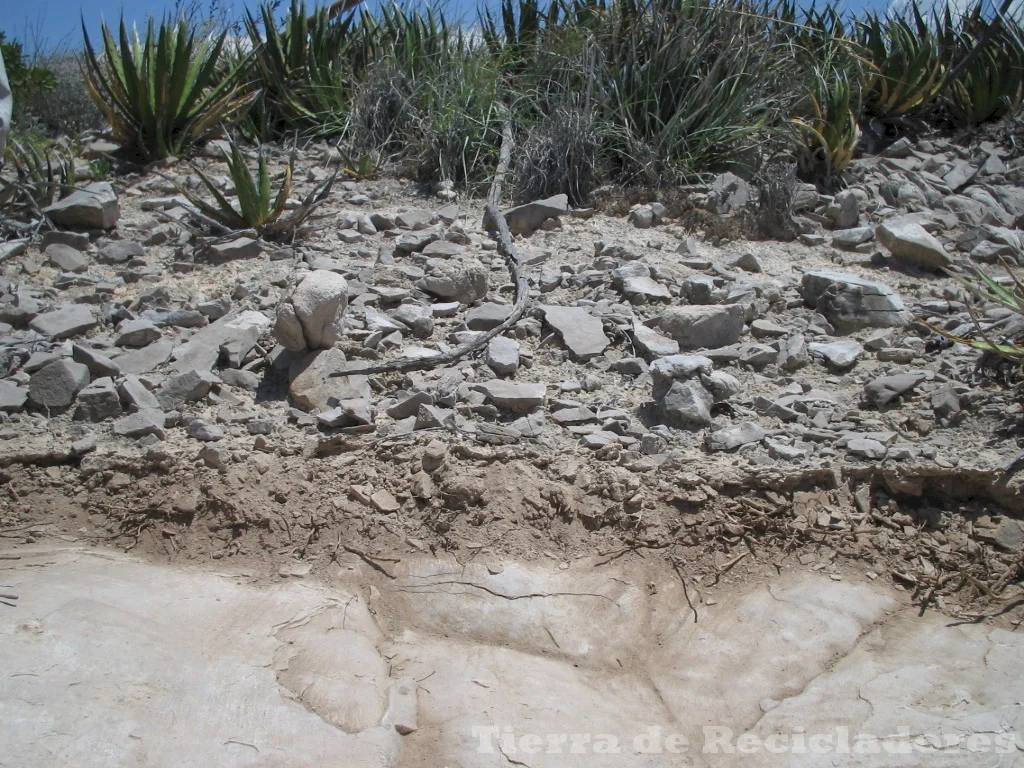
(64, 322)
(202, 351)
(851, 303)
(582, 333)
(206, 669)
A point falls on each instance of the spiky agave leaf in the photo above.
(162, 94)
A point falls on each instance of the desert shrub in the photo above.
(66, 108)
(559, 155)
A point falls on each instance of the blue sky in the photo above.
(56, 22)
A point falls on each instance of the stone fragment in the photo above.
(502, 356)
(94, 207)
(135, 395)
(65, 258)
(148, 421)
(652, 344)
(69, 320)
(313, 385)
(514, 396)
(98, 401)
(732, 437)
(238, 248)
(204, 431)
(239, 331)
(185, 388)
(911, 243)
(687, 403)
(581, 332)
(841, 354)
(458, 280)
(136, 333)
(313, 316)
(55, 385)
(402, 707)
(120, 252)
(98, 364)
(703, 327)
(851, 303)
(12, 397)
(525, 219)
(487, 316)
(883, 390)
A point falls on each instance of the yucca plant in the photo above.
(162, 94)
(990, 290)
(259, 206)
(828, 136)
(905, 63)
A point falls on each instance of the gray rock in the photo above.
(414, 220)
(728, 194)
(487, 316)
(687, 403)
(666, 370)
(135, 395)
(98, 401)
(62, 323)
(642, 217)
(137, 333)
(851, 303)
(94, 207)
(458, 280)
(56, 385)
(314, 385)
(77, 240)
(502, 356)
(235, 377)
(144, 360)
(844, 211)
(238, 248)
(65, 258)
(865, 447)
(419, 319)
(945, 402)
(145, 422)
(215, 309)
(313, 317)
(581, 332)
(120, 252)
(239, 330)
(652, 344)
(408, 404)
(347, 413)
(185, 388)
(646, 288)
(204, 431)
(838, 354)
(12, 397)
(748, 262)
(732, 437)
(98, 365)
(911, 243)
(514, 396)
(882, 391)
(721, 385)
(849, 239)
(525, 219)
(703, 327)
(432, 417)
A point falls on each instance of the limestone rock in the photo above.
(55, 385)
(313, 316)
(94, 207)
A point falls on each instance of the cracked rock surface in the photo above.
(111, 660)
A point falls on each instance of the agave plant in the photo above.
(990, 290)
(41, 177)
(259, 207)
(988, 81)
(906, 64)
(162, 94)
(828, 138)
